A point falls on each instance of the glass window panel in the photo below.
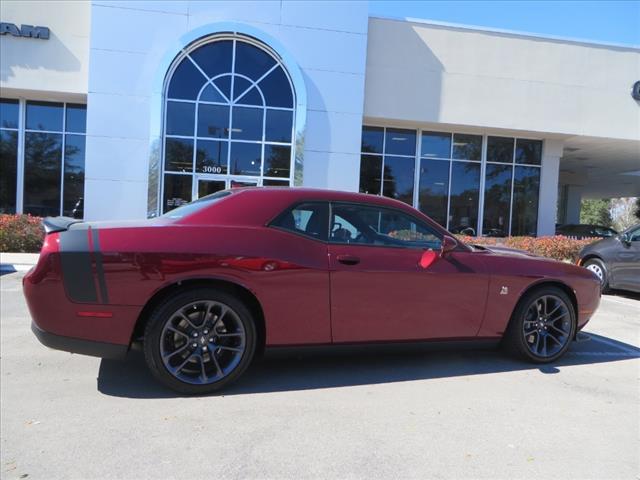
(177, 191)
(276, 89)
(44, 116)
(359, 224)
(243, 183)
(524, 220)
(180, 118)
(400, 142)
(252, 61)
(500, 149)
(252, 97)
(9, 113)
(308, 219)
(528, 151)
(214, 58)
(370, 174)
(73, 194)
(436, 145)
(247, 123)
(213, 121)
(467, 147)
(497, 200)
(279, 126)
(245, 158)
(372, 139)
(211, 156)
(277, 160)
(224, 84)
(42, 170)
(76, 120)
(211, 94)
(434, 189)
(186, 81)
(178, 155)
(240, 85)
(398, 178)
(8, 170)
(207, 187)
(275, 183)
(463, 205)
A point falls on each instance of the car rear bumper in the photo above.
(78, 345)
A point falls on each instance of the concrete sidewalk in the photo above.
(17, 262)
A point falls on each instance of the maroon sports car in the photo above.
(211, 283)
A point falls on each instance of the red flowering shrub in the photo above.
(557, 247)
(20, 233)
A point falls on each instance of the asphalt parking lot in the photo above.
(377, 413)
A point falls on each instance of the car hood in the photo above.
(508, 252)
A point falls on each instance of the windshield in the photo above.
(196, 205)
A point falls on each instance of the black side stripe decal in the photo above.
(75, 260)
(99, 268)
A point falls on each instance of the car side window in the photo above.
(379, 226)
(634, 235)
(309, 219)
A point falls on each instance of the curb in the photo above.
(17, 262)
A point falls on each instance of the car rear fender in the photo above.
(229, 285)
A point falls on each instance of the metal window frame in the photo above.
(21, 147)
(298, 109)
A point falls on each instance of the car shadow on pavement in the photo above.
(317, 368)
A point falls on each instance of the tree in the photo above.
(638, 208)
(623, 212)
(596, 212)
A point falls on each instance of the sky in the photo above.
(599, 21)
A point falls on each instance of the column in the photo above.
(548, 202)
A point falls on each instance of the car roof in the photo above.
(253, 206)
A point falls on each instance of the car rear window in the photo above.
(196, 205)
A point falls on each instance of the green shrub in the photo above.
(20, 233)
(557, 247)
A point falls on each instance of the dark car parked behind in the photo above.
(615, 260)
(585, 231)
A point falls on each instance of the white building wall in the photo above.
(422, 72)
(56, 68)
(130, 40)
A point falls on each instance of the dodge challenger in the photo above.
(210, 284)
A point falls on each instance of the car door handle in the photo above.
(348, 259)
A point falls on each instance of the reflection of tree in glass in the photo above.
(390, 186)
(278, 162)
(8, 170)
(73, 174)
(370, 167)
(42, 173)
(525, 201)
(179, 155)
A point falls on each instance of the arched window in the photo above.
(229, 120)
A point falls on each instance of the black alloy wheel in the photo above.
(542, 326)
(200, 340)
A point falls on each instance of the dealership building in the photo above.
(118, 110)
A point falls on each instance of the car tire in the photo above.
(199, 340)
(598, 267)
(542, 326)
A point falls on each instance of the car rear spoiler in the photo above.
(58, 224)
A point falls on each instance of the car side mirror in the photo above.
(624, 238)
(449, 244)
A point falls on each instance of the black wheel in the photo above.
(598, 267)
(542, 325)
(199, 340)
